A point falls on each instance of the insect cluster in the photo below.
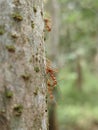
(51, 80)
(47, 24)
(50, 71)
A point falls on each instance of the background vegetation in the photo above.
(76, 56)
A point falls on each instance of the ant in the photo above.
(51, 82)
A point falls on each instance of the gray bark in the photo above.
(22, 66)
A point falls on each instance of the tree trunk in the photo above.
(23, 90)
(96, 63)
(79, 80)
(53, 121)
(53, 9)
(52, 49)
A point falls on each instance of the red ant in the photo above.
(47, 24)
(52, 82)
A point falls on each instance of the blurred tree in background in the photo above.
(52, 10)
(76, 55)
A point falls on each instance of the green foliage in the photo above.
(78, 108)
(73, 17)
(88, 13)
(79, 23)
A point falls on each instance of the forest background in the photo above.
(72, 46)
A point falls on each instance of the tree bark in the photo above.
(23, 90)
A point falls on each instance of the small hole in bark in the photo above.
(10, 48)
(45, 110)
(41, 13)
(36, 59)
(18, 109)
(32, 24)
(34, 9)
(36, 69)
(26, 76)
(8, 94)
(17, 17)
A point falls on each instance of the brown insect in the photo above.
(47, 24)
(51, 82)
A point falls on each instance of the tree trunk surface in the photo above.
(23, 91)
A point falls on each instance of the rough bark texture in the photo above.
(22, 66)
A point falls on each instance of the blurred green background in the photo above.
(72, 46)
